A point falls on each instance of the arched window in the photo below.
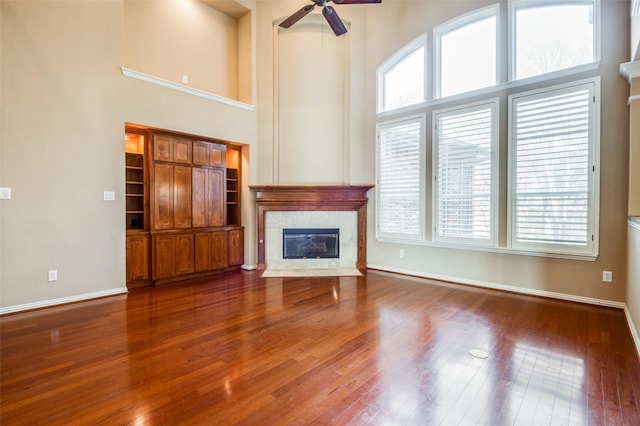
(401, 79)
(466, 52)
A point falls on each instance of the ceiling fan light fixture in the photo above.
(328, 12)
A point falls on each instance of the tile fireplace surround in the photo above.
(310, 205)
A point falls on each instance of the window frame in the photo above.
(395, 59)
(494, 105)
(455, 24)
(591, 250)
(389, 236)
(532, 4)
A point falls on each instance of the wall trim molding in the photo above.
(185, 89)
(520, 290)
(62, 300)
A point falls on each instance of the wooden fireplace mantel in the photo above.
(313, 198)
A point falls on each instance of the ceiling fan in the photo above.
(329, 13)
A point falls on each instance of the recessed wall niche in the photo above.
(202, 44)
(312, 80)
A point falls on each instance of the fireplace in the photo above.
(311, 206)
(311, 243)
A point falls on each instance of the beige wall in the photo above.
(64, 105)
(173, 38)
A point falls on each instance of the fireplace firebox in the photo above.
(310, 243)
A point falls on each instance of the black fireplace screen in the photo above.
(310, 243)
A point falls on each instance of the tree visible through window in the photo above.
(552, 37)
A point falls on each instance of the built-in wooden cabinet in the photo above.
(182, 207)
(189, 187)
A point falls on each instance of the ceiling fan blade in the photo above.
(297, 16)
(356, 1)
(334, 20)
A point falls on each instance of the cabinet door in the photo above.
(219, 250)
(200, 153)
(236, 246)
(217, 155)
(203, 251)
(182, 150)
(163, 196)
(216, 198)
(199, 208)
(162, 148)
(163, 256)
(184, 254)
(182, 197)
(137, 257)
(209, 154)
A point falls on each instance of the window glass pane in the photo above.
(465, 139)
(468, 57)
(399, 188)
(404, 82)
(552, 38)
(553, 172)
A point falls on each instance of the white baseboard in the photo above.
(62, 300)
(249, 267)
(521, 290)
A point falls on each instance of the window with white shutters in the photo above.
(553, 187)
(400, 185)
(465, 172)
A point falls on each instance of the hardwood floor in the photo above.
(374, 350)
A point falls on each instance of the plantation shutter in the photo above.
(553, 171)
(464, 179)
(399, 188)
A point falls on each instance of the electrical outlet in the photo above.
(607, 276)
(52, 275)
(5, 193)
(108, 195)
(185, 79)
(401, 253)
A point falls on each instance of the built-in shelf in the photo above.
(134, 182)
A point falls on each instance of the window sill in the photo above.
(492, 90)
(501, 250)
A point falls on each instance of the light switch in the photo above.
(109, 196)
(5, 193)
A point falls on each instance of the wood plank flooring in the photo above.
(381, 349)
